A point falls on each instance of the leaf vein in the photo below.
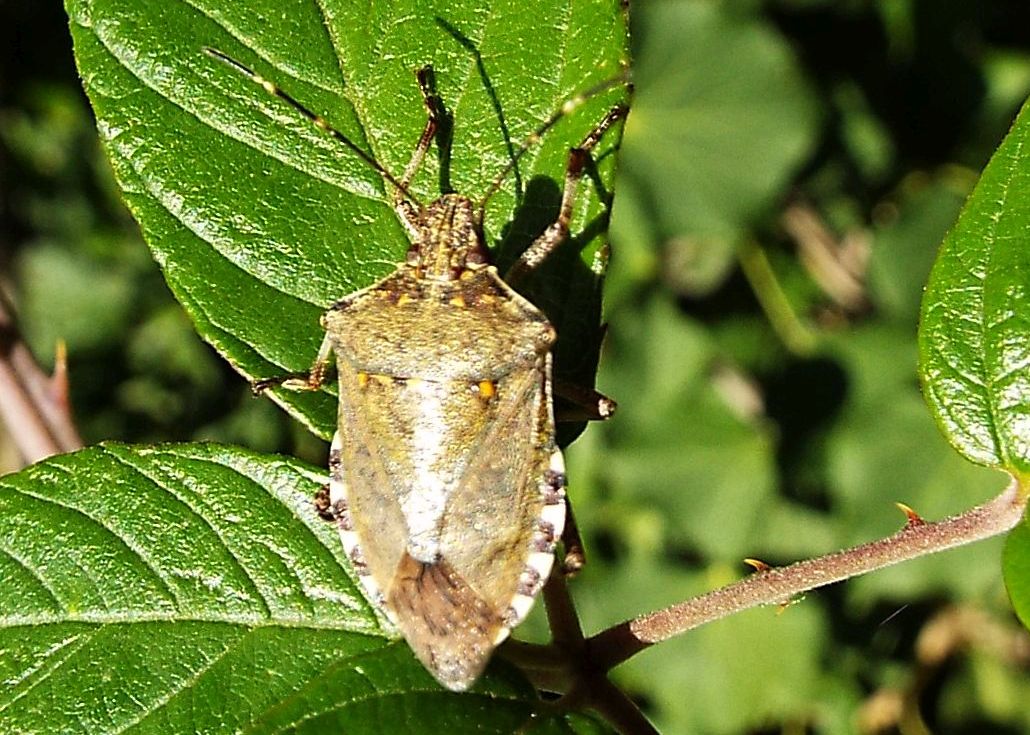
(255, 587)
(34, 574)
(136, 551)
(78, 643)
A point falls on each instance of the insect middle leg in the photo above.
(558, 231)
(573, 557)
(583, 404)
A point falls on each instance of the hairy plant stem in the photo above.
(777, 585)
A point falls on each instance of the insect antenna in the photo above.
(533, 138)
(317, 120)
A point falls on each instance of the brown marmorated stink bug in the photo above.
(446, 482)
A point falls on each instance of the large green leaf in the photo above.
(192, 588)
(974, 339)
(260, 221)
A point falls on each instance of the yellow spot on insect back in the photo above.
(362, 380)
(487, 389)
(458, 301)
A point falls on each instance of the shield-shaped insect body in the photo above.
(446, 482)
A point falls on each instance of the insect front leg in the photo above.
(558, 231)
(312, 380)
(406, 210)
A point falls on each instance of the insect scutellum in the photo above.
(446, 482)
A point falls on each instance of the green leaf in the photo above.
(974, 338)
(1016, 566)
(192, 588)
(260, 221)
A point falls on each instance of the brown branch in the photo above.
(33, 405)
(918, 538)
(618, 709)
(561, 612)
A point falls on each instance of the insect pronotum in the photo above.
(446, 482)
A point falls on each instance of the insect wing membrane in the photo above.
(449, 470)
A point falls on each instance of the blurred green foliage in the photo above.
(788, 171)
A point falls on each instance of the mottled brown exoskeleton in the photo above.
(446, 482)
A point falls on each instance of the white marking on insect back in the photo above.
(357, 559)
(555, 516)
(424, 509)
(553, 491)
(541, 562)
(505, 630)
(337, 488)
(522, 604)
(517, 612)
(350, 543)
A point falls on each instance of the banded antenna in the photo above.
(315, 119)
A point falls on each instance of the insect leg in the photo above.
(312, 380)
(556, 233)
(402, 205)
(323, 505)
(574, 557)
